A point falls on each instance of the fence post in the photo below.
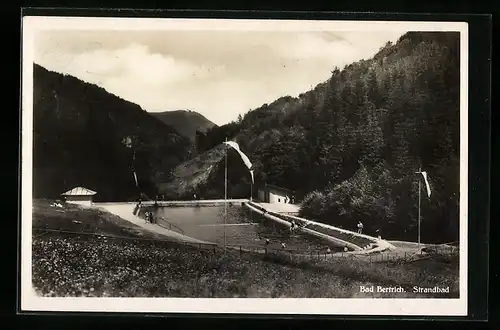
(241, 252)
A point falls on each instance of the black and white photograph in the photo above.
(244, 166)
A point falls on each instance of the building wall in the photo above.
(273, 195)
(277, 196)
(82, 200)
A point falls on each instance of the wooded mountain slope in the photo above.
(186, 122)
(79, 132)
(351, 146)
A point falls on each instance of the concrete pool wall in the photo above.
(373, 244)
(334, 240)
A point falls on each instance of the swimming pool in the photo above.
(243, 227)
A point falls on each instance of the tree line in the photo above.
(351, 146)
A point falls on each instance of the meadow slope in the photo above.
(142, 264)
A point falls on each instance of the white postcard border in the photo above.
(371, 306)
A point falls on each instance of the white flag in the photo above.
(424, 174)
(242, 155)
(135, 177)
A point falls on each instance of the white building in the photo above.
(274, 194)
(79, 195)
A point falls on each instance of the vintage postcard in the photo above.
(244, 166)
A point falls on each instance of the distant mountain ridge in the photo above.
(79, 133)
(186, 122)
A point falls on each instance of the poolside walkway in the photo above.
(280, 207)
(125, 211)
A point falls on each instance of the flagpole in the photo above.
(419, 201)
(225, 196)
(135, 174)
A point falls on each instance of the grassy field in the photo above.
(90, 265)
(74, 218)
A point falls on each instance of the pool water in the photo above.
(243, 227)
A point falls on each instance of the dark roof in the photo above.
(280, 188)
(79, 191)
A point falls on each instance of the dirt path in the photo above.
(125, 211)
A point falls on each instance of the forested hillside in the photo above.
(185, 122)
(79, 140)
(351, 146)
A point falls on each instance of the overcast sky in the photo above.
(219, 74)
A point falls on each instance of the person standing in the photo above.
(360, 227)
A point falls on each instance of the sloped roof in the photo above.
(280, 188)
(79, 191)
